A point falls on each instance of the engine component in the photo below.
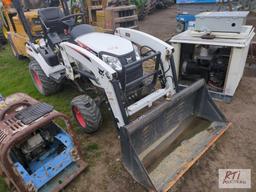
(32, 144)
(207, 62)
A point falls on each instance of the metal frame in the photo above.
(13, 175)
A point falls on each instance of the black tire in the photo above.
(86, 113)
(180, 27)
(45, 85)
(2, 38)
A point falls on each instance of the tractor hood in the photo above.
(105, 42)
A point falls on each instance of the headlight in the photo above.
(113, 62)
(137, 52)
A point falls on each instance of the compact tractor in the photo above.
(134, 74)
(36, 153)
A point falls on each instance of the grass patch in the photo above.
(92, 147)
(92, 153)
(3, 186)
(15, 77)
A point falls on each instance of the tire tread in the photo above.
(90, 112)
(49, 86)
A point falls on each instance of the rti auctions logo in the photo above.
(235, 178)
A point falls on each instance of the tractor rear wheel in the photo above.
(45, 85)
(86, 113)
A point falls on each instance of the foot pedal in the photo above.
(33, 112)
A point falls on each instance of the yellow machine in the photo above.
(14, 30)
(17, 36)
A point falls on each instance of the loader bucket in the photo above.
(161, 145)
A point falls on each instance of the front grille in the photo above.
(129, 75)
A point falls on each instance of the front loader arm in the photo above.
(103, 73)
(144, 39)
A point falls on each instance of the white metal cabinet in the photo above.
(239, 44)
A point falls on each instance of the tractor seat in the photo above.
(81, 30)
(51, 17)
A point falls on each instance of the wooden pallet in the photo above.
(122, 16)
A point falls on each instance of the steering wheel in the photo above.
(69, 20)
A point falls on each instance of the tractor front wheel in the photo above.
(86, 113)
(45, 85)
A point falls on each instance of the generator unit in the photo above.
(217, 57)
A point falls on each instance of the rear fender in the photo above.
(48, 70)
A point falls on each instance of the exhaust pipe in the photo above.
(162, 144)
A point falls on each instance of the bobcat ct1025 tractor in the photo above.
(134, 73)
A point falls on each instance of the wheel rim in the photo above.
(79, 117)
(37, 80)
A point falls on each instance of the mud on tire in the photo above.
(86, 113)
(44, 84)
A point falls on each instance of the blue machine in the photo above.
(50, 164)
(183, 21)
(38, 154)
(189, 8)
